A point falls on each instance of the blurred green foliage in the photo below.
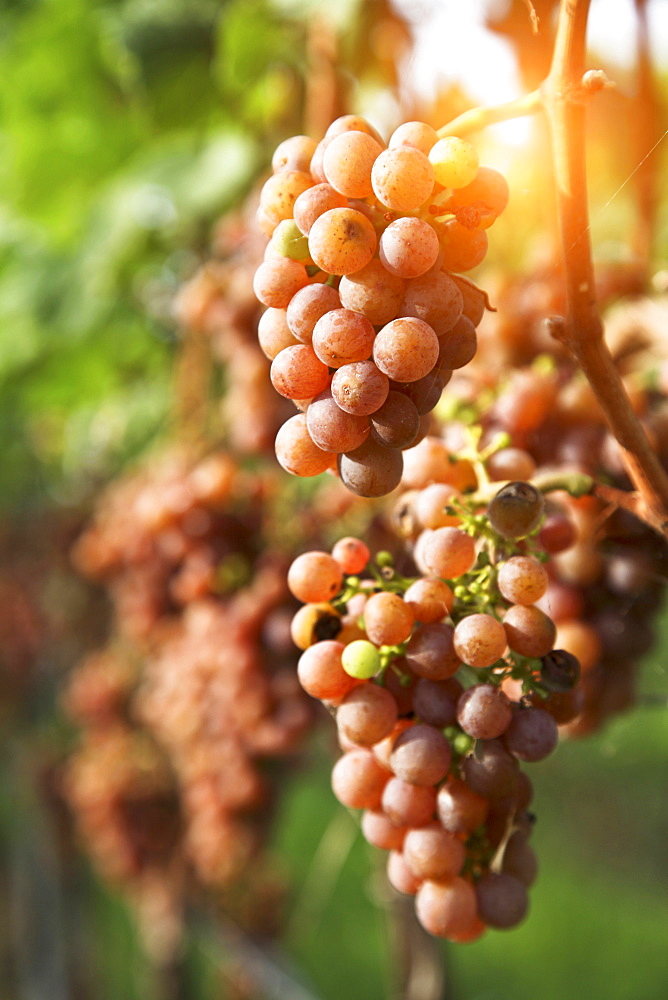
(127, 129)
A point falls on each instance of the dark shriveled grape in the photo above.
(560, 670)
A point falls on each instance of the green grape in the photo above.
(361, 659)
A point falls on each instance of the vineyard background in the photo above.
(128, 129)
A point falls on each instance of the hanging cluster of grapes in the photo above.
(507, 626)
(365, 319)
(441, 685)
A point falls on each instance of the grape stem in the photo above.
(477, 118)
(563, 98)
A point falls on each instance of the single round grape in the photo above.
(380, 831)
(373, 292)
(320, 671)
(396, 423)
(434, 298)
(342, 241)
(307, 306)
(479, 640)
(435, 702)
(463, 249)
(430, 652)
(388, 620)
(430, 506)
(314, 577)
(460, 809)
(522, 580)
(502, 900)
(449, 552)
(360, 387)
(455, 161)
(417, 134)
(352, 554)
(400, 876)
(430, 598)
(408, 805)
(529, 631)
(294, 154)
(421, 755)
(511, 463)
(347, 163)
(446, 908)
(490, 770)
(342, 336)
(432, 852)
(297, 373)
(288, 241)
(532, 734)
(276, 281)
(371, 470)
(366, 714)
(402, 178)
(279, 192)
(560, 670)
(484, 712)
(331, 428)
(408, 247)
(361, 659)
(296, 451)
(358, 779)
(406, 349)
(516, 510)
(273, 332)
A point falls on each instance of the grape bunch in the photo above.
(190, 713)
(442, 683)
(367, 312)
